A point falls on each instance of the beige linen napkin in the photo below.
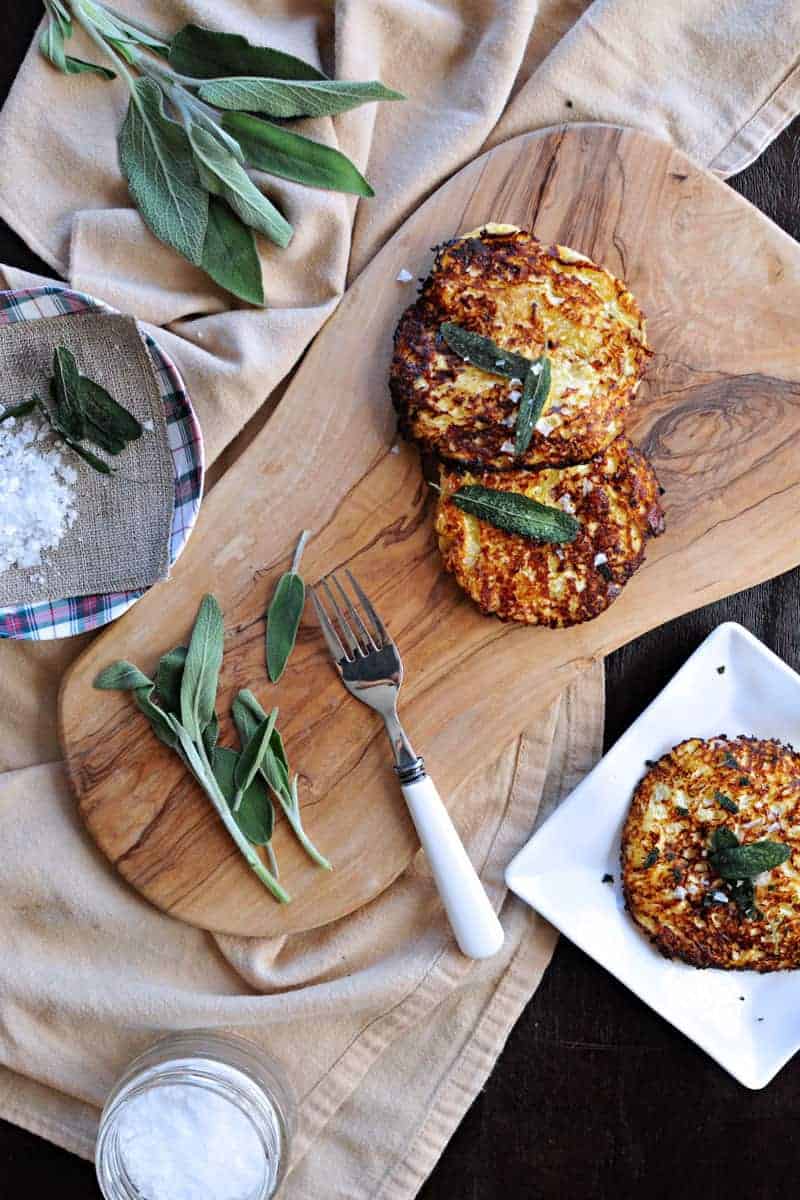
(396, 1031)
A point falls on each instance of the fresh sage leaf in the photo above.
(59, 13)
(279, 151)
(281, 98)
(252, 756)
(157, 161)
(483, 353)
(23, 409)
(160, 721)
(248, 715)
(211, 738)
(206, 54)
(68, 415)
(749, 860)
(169, 677)
(121, 676)
(535, 390)
(255, 815)
(516, 513)
(230, 256)
(236, 186)
(201, 669)
(284, 614)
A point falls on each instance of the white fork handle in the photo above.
(473, 920)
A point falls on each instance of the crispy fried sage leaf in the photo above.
(516, 513)
(280, 98)
(535, 390)
(749, 860)
(482, 352)
(157, 162)
(229, 254)
(68, 412)
(201, 669)
(255, 815)
(279, 151)
(206, 54)
(103, 410)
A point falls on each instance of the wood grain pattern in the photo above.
(718, 412)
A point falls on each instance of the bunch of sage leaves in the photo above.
(180, 704)
(189, 133)
(81, 410)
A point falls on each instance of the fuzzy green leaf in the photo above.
(206, 54)
(169, 677)
(230, 256)
(121, 676)
(283, 621)
(255, 815)
(236, 186)
(248, 715)
(160, 722)
(252, 755)
(279, 98)
(157, 162)
(201, 669)
(23, 409)
(279, 151)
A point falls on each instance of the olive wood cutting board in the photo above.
(719, 412)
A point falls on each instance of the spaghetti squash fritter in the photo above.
(503, 284)
(614, 498)
(702, 793)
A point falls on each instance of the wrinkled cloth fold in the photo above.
(387, 1033)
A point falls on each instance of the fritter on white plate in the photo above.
(702, 813)
(615, 500)
(503, 284)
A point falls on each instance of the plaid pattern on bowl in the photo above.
(47, 620)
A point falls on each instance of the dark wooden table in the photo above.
(594, 1096)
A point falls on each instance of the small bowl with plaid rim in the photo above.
(50, 619)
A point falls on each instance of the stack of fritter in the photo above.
(537, 301)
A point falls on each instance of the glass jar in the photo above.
(228, 1070)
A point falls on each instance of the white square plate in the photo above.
(749, 1023)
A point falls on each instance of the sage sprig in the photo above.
(515, 513)
(180, 705)
(284, 614)
(81, 410)
(188, 137)
(248, 715)
(534, 374)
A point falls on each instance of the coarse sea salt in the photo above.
(404, 276)
(179, 1141)
(37, 494)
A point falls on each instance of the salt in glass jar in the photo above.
(198, 1114)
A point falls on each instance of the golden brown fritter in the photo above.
(670, 887)
(614, 497)
(534, 299)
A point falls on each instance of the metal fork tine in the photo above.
(344, 629)
(355, 615)
(378, 624)
(332, 641)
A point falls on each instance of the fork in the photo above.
(370, 667)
